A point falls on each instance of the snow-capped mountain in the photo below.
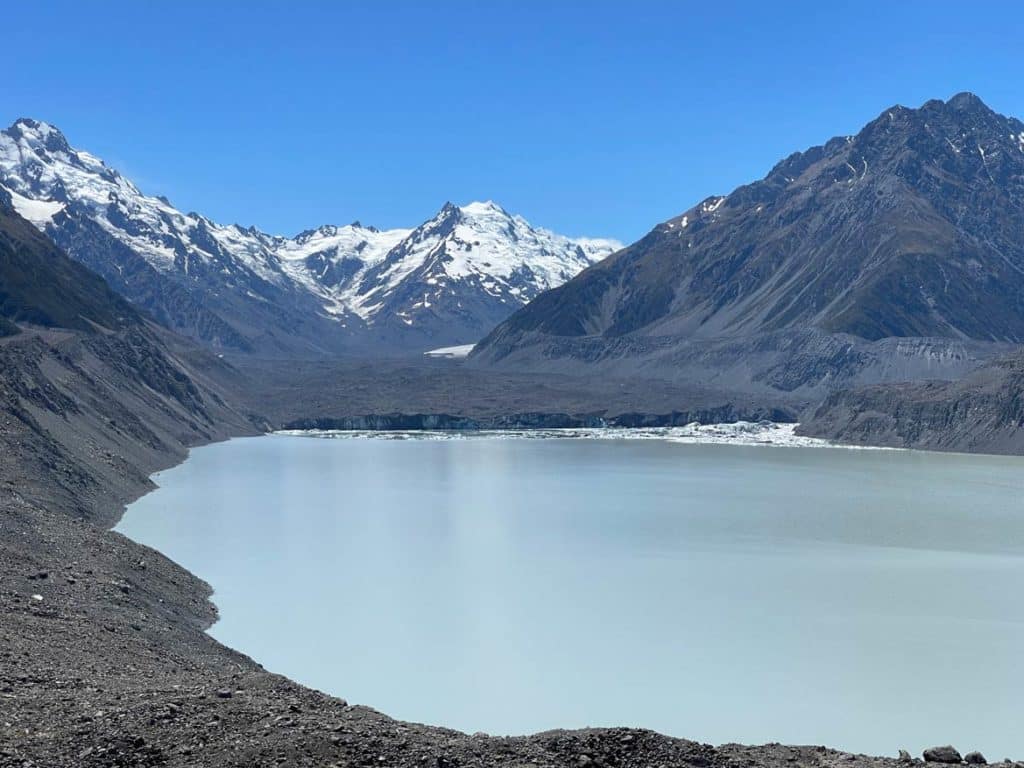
(334, 288)
(471, 265)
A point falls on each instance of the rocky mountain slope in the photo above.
(328, 290)
(892, 254)
(75, 348)
(40, 285)
(90, 389)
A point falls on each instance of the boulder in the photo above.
(975, 758)
(946, 754)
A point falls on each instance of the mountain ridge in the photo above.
(908, 229)
(323, 291)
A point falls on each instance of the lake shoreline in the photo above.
(192, 536)
(122, 630)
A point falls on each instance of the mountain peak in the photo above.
(966, 100)
(960, 108)
(448, 217)
(485, 207)
(31, 124)
(908, 229)
(452, 212)
(357, 224)
(47, 135)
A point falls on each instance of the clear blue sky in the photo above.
(587, 117)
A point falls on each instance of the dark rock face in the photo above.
(975, 758)
(42, 286)
(983, 412)
(910, 229)
(945, 754)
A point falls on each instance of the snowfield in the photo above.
(462, 350)
(39, 212)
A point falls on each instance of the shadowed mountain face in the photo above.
(913, 228)
(80, 347)
(42, 286)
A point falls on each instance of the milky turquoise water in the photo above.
(869, 600)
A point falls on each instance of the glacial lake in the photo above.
(864, 599)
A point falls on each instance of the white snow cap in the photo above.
(350, 269)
